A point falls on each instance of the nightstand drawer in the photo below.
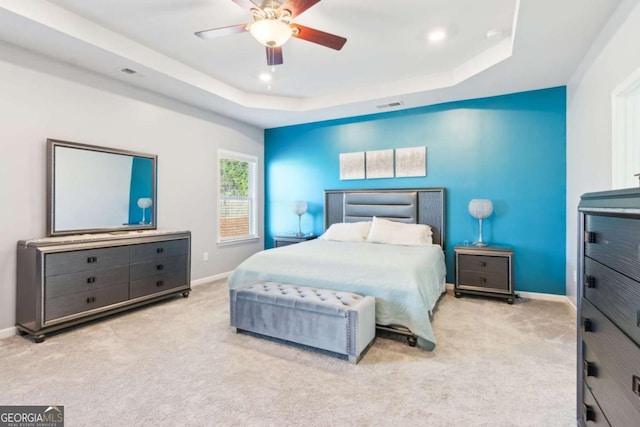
(483, 263)
(280, 241)
(484, 279)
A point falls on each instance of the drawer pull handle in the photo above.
(590, 282)
(588, 413)
(91, 279)
(92, 259)
(591, 237)
(589, 369)
(587, 325)
(483, 280)
(635, 386)
(482, 264)
(91, 299)
(160, 250)
(159, 267)
(160, 283)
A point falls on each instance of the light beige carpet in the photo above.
(178, 363)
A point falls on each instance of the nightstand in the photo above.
(484, 271)
(291, 239)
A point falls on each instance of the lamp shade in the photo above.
(144, 202)
(299, 207)
(271, 32)
(480, 208)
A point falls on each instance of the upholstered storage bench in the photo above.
(339, 322)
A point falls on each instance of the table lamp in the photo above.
(480, 209)
(144, 203)
(299, 207)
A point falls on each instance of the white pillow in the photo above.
(397, 233)
(348, 232)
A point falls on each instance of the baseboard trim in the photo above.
(210, 279)
(543, 297)
(535, 295)
(9, 332)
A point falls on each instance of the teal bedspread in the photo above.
(406, 281)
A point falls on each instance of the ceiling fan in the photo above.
(272, 27)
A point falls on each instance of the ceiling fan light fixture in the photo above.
(265, 77)
(271, 32)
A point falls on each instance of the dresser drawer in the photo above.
(84, 301)
(615, 243)
(483, 263)
(152, 285)
(158, 267)
(484, 279)
(84, 260)
(615, 295)
(151, 251)
(66, 284)
(591, 413)
(615, 361)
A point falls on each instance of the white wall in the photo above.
(613, 57)
(42, 99)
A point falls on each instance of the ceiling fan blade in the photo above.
(319, 37)
(223, 31)
(274, 55)
(296, 7)
(246, 4)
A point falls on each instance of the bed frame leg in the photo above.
(412, 339)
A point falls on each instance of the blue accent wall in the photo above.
(141, 186)
(510, 149)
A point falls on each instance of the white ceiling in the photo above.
(387, 57)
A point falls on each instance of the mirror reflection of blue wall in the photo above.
(141, 187)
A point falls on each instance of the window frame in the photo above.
(625, 147)
(252, 197)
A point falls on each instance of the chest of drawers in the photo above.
(63, 283)
(609, 309)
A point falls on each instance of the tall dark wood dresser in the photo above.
(609, 309)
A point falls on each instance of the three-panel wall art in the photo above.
(399, 163)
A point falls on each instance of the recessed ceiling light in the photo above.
(437, 35)
(265, 77)
(494, 35)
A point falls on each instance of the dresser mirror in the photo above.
(94, 189)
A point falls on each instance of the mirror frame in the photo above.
(51, 171)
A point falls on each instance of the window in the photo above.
(626, 133)
(237, 197)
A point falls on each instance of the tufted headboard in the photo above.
(411, 205)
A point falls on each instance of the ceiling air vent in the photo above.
(390, 105)
(129, 71)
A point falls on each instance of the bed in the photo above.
(406, 281)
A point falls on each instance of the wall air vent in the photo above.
(390, 105)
